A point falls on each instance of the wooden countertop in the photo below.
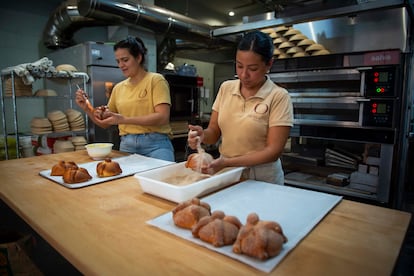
(102, 230)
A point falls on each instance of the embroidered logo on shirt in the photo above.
(142, 94)
(261, 108)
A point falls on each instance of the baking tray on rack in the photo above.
(129, 164)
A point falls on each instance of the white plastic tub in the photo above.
(151, 182)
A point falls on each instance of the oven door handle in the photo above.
(363, 100)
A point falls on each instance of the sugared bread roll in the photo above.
(199, 161)
(217, 229)
(108, 168)
(259, 239)
(189, 212)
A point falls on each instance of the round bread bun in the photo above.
(276, 52)
(291, 32)
(305, 43)
(66, 67)
(314, 47)
(283, 55)
(297, 37)
(294, 50)
(286, 44)
(281, 29)
(320, 52)
(45, 93)
(267, 30)
(300, 54)
(273, 35)
(279, 40)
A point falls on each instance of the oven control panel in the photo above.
(379, 113)
(381, 82)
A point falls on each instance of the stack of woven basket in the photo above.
(290, 42)
(20, 89)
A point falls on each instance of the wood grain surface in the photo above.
(102, 230)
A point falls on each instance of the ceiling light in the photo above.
(231, 13)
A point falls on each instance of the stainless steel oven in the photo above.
(347, 119)
(363, 95)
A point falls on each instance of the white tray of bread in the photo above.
(297, 211)
(129, 165)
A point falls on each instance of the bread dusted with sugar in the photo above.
(259, 239)
(217, 229)
(189, 212)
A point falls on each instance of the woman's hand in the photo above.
(82, 101)
(195, 134)
(215, 166)
(106, 117)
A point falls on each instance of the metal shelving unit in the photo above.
(73, 79)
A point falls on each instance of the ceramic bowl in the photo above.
(98, 151)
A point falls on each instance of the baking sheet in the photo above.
(129, 164)
(298, 211)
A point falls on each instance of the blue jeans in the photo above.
(155, 145)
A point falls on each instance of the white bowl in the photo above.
(98, 151)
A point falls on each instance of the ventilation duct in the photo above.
(63, 23)
(73, 15)
(159, 20)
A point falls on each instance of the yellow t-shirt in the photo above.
(139, 100)
(244, 123)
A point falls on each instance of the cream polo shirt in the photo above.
(139, 100)
(244, 123)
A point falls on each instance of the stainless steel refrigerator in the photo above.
(98, 61)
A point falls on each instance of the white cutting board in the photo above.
(298, 211)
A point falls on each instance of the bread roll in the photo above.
(78, 175)
(199, 161)
(259, 239)
(108, 168)
(60, 168)
(217, 229)
(189, 212)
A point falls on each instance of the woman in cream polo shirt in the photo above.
(251, 115)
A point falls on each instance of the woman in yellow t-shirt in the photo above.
(251, 116)
(139, 105)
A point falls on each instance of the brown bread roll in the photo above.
(78, 175)
(217, 229)
(189, 212)
(60, 168)
(108, 168)
(259, 239)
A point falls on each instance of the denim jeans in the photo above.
(155, 145)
